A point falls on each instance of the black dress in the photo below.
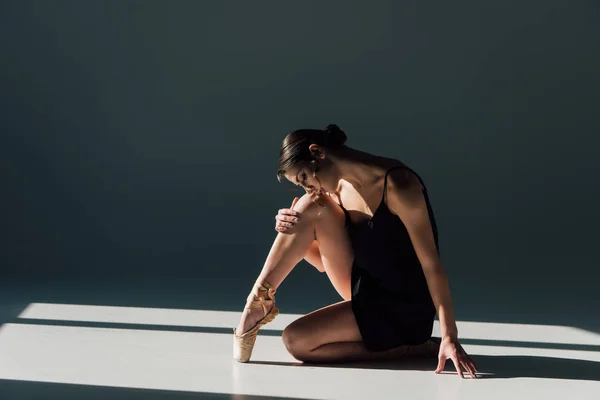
(390, 297)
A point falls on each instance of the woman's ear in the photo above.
(316, 150)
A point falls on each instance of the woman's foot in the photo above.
(428, 349)
(260, 309)
(250, 318)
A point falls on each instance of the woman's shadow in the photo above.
(489, 367)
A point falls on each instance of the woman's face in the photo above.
(313, 177)
(303, 176)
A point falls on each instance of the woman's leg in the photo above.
(321, 214)
(313, 256)
(331, 335)
(335, 248)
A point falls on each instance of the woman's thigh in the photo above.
(330, 324)
(335, 247)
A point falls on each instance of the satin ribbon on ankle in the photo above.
(255, 297)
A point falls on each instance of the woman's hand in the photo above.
(286, 218)
(451, 349)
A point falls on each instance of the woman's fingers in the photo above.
(285, 223)
(455, 352)
(441, 364)
(286, 218)
(472, 366)
(467, 366)
(287, 212)
(458, 366)
(467, 362)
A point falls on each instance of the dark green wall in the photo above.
(140, 138)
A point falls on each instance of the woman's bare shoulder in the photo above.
(403, 177)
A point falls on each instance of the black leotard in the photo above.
(390, 296)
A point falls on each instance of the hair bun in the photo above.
(335, 136)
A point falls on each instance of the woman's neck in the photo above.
(357, 167)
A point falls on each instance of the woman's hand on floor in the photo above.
(451, 349)
(286, 218)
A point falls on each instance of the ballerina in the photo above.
(366, 221)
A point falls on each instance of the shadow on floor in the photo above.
(490, 367)
(272, 332)
(17, 390)
(202, 294)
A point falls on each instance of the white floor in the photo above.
(516, 361)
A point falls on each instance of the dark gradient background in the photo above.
(139, 144)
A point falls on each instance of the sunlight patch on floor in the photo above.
(229, 319)
(202, 361)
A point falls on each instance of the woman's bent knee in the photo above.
(296, 343)
(318, 207)
(311, 203)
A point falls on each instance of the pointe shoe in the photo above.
(244, 343)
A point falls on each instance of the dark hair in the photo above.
(294, 149)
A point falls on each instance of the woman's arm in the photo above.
(405, 199)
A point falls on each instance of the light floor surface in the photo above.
(90, 351)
